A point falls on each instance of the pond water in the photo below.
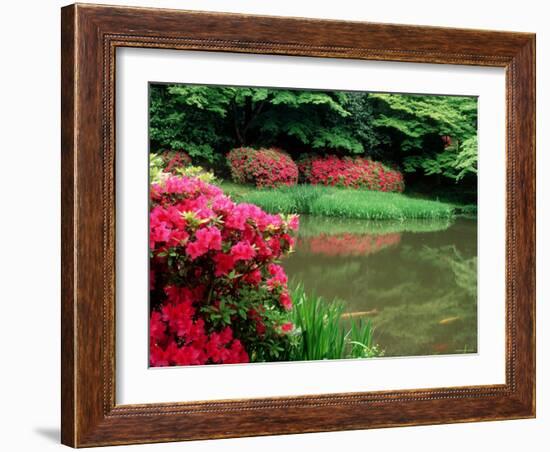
(416, 281)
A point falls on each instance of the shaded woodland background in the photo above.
(432, 139)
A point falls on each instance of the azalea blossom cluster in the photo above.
(350, 172)
(174, 160)
(348, 244)
(217, 292)
(265, 168)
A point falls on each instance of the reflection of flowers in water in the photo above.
(347, 244)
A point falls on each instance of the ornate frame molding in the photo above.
(90, 36)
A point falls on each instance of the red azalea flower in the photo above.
(243, 250)
(349, 172)
(287, 327)
(209, 238)
(254, 277)
(286, 301)
(196, 249)
(157, 328)
(279, 276)
(224, 263)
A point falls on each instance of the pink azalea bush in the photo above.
(350, 172)
(265, 168)
(217, 292)
(174, 159)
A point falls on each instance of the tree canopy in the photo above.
(430, 135)
(416, 122)
(204, 119)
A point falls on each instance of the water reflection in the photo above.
(347, 244)
(417, 281)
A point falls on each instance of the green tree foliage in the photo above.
(313, 119)
(188, 118)
(206, 121)
(423, 135)
(418, 124)
(361, 123)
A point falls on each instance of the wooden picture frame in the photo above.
(90, 36)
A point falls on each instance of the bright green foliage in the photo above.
(418, 125)
(321, 333)
(197, 172)
(156, 166)
(466, 158)
(370, 205)
(417, 116)
(455, 162)
(340, 202)
(188, 118)
(157, 171)
(205, 121)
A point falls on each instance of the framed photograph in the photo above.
(281, 225)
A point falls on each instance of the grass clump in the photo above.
(322, 333)
(272, 201)
(340, 202)
(372, 205)
(304, 196)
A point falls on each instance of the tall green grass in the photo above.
(374, 205)
(322, 332)
(340, 202)
(271, 201)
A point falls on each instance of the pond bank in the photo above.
(339, 202)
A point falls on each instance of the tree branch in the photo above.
(236, 124)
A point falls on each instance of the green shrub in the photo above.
(177, 163)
